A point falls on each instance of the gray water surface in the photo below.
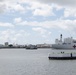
(33, 62)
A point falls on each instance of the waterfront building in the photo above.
(6, 43)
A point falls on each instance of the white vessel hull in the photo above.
(64, 46)
(62, 55)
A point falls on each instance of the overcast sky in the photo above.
(36, 21)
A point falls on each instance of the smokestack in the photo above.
(61, 37)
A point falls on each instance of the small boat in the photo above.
(31, 47)
(62, 56)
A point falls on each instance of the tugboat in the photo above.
(31, 47)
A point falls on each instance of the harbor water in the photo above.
(33, 62)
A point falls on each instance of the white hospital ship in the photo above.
(67, 43)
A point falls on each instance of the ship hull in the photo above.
(62, 58)
(62, 55)
(64, 46)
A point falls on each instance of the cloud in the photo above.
(59, 23)
(13, 36)
(37, 8)
(45, 7)
(60, 2)
(70, 12)
(42, 32)
(41, 9)
(18, 7)
(2, 8)
(43, 12)
(67, 5)
(2, 24)
(9, 6)
(18, 20)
